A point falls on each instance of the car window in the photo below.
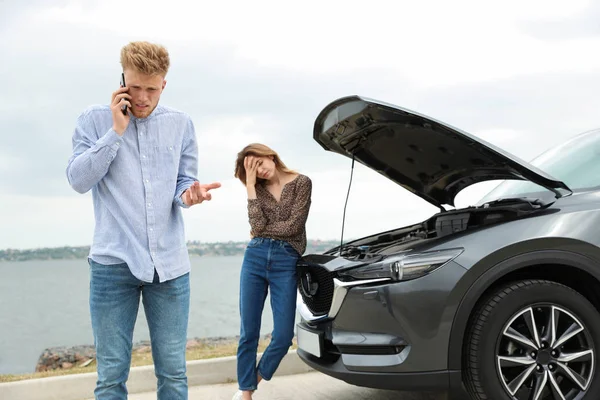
(576, 163)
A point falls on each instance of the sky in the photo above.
(524, 76)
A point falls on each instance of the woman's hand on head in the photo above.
(251, 164)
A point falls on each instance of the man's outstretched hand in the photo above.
(197, 193)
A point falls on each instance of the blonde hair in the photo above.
(257, 150)
(147, 58)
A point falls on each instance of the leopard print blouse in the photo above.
(284, 220)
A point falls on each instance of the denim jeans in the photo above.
(114, 302)
(268, 265)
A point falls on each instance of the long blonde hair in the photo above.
(257, 150)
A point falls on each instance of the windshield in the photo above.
(576, 163)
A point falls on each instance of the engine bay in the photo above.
(439, 225)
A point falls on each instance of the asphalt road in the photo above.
(309, 386)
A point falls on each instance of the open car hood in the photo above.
(427, 157)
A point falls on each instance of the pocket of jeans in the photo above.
(96, 265)
(254, 242)
(290, 250)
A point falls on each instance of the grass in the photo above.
(143, 356)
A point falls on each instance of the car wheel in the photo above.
(533, 340)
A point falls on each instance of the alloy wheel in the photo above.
(545, 352)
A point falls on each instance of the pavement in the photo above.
(212, 379)
(306, 386)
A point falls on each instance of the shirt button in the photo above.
(170, 147)
(149, 205)
(143, 156)
(151, 229)
(147, 181)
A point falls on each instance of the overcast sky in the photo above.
(524, 75)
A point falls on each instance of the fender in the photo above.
(557, 256)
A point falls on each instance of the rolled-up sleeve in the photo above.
(256, 217)
(92, 156)
(188, 164)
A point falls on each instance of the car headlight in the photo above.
(403, 267)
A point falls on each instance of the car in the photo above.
(498, 300)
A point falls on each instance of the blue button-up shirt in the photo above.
(137, 181)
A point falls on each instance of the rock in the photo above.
(86, 363)
(143, 349)
(193, 343)
(56, 358)
(67, 357)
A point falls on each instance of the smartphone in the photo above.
(124, 108)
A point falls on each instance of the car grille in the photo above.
(318, 303)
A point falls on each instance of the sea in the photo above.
(44, 304)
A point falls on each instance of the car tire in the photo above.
(501, 365)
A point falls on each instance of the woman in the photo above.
(278, 204)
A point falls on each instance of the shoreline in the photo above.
(58, 361)
(195, 249)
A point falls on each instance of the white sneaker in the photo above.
(237, 396)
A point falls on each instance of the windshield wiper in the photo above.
(534, 202)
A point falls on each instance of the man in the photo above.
(141, 166)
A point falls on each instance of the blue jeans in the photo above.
(114, 302)
(268, 265)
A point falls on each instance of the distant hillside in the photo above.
(195, 248)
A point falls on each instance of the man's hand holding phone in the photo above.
(120, 98)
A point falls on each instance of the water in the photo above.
(45, 304)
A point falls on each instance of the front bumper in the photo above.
(387, 335)
(426, 381)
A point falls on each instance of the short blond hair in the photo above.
(147, 58)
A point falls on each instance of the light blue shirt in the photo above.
(137, 181)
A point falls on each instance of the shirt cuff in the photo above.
(179, 200)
